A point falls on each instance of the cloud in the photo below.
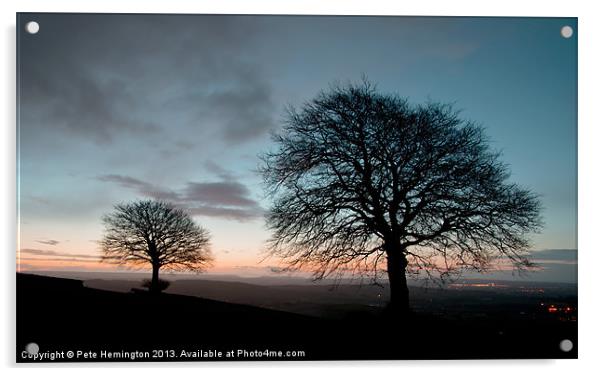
(226, 213)
(23, 266)
(216, 169)
(63, 93)
(48, 242)
(138, 76)
(142, 187)
(245, 111)
(227, 193)
(277, 269)
(224, 199)
(268, 268)
(61, 259)
(43, 252)
(557, 254)
(183, 144)
(554, 256)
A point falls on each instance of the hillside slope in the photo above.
(61, 314)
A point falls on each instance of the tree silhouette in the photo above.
(155, 233)
(360, 179)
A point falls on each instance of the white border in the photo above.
(590, 308)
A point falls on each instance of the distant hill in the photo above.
(338, 301)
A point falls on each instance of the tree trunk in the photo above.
(396, 269)
(155, 289)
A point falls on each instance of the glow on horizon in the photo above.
(209, 101)
(29, 264)
(500, 269)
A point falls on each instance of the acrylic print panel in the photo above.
(278, 188)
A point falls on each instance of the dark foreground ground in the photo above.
(71, 322)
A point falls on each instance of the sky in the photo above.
(114, 108)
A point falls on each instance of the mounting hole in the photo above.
(566, 31)
(32, 27)
(566, 345)
(32, 348)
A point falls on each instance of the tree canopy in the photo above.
(359, 178)
(155, 233)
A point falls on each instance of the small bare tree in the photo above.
(360, 179)
(155, 233)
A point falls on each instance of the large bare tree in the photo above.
(155, 233)
(367, 182)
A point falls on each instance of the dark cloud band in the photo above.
(227, 199)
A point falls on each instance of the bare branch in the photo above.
(155, 233)
(357, 174)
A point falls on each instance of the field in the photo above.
(200, 319)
